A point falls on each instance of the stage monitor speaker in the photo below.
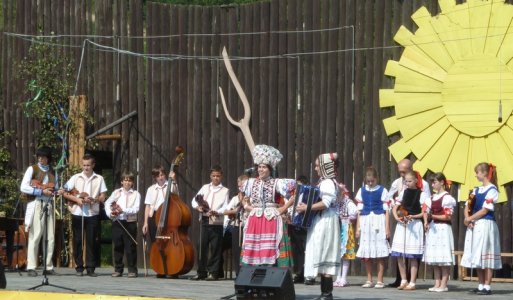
(264, 283)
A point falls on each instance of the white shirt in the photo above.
(88, 210)
(155, 196)
(121, 197)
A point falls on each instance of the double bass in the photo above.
(172, 252)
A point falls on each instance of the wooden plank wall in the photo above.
(301, 104)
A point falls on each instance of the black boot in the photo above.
(327, 294)
(323, 288)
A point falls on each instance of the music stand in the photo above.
(44, 217)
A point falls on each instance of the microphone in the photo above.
(500, 111)
(249, 171)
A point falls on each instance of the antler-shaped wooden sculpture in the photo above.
(243, 124)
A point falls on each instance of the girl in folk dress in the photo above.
(373, 227)
(348, 214)
(439, 239)
(322, 255)
(409, 233)
(482, 244)
(265, 234)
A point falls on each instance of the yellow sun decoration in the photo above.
(453, 91)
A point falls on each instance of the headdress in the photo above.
(264, 154)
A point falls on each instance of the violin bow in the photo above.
(243, 124)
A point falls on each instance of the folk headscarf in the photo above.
(327, 165)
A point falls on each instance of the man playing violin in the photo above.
(38, 186)
(85, 212)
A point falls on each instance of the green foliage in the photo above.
(9, 185)
(50, 78)
(206, 2)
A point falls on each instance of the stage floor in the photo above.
(183, 288)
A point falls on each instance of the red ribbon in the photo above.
(420, 185)
(490, 171)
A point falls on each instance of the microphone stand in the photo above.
(44, 222)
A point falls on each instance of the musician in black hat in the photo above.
(37, 187)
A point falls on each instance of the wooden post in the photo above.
(77, 138)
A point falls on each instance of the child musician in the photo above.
(482, 243)
(409, 233)
(122, 207)
(373, 227)
(211, 209)
(439, 239)
(348, 214)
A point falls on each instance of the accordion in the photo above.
(309, 195)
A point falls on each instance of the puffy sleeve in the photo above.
(285, 187)
(387, 203)
(359, 199)
(423, 198)
(352, 210)
(399, 199)
(328, 192)
(426, 206)
(448, 205)
(425, 188)
(492, 196)
(393, 189)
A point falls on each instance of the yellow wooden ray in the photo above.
(455, 74)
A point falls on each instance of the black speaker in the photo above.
(264, 283)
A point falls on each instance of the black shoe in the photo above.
(299, 279)
(172, 277)
(310, 281)
(32, 273)
(50, 272)
(212, 278)
(326, 296)
(80, 273)
(474, 291)
(484, 292)
(199, 277)
(394, 284)
(92, 274)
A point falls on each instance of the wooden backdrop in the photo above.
(303, 104)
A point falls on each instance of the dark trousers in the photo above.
(236, 247)
(298, 242)
(124, 246)
(211, 238)
(91, 225)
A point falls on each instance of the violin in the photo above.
(402, 213)
(115, 209)
(82, 195)
(202, 203)
(172, 252)
(44, 186)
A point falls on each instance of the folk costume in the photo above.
(265, 235)
(211, 230)
(373, 204)
(482, 243)
(322, 255)
(34, 214)
(87, 215)
(124, 229)
(347, 212)
(409, 239)
(439, 238)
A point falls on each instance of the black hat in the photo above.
(44, 151)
